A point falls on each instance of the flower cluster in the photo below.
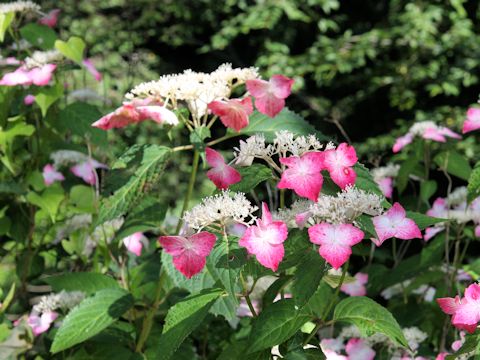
(41, 58)
(19, 7)
(384, 176)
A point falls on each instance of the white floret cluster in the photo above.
(41, 58)
(64, 300)
(390, 170)
(19, 7)
(66, 157)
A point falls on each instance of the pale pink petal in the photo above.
(92, 69)
(439, 208)
(477, 231)
(449, 133)
(386, 186)
(281, 86)
(121, 117)
(19, 77)
(134, 243)
(332, 355)
(50, 175)
(29, 99)
(357, 287)
(466, 314)
(472, 122)
(335, 241)
(430, 232)
(214, 158)
(203, 243)
(85, 171)
(434, 134)
(401, 142)
(338, 162)
(357, 349)
(189, 263)
(41, 76)
(51, 18)
(303, 175)
(159, 114)
(394, 223)
(233, 113)
(41, 324)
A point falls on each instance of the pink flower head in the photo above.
(133, 243)
(86, 170)
(41, 76)
(338, 162)
(233, 113)
(270, 95)
(357, 287)
(221, 174)
(50, 175)
(92, 69)
(29, 99)
(303, 174)
(401, 142)
(265, 240)
(189, 253)
(473, 120)
(335, 241)
(439, 208)
(40, 324)
(466, 311)
(357, 349)
(394, 223)
(51, 18)
(386, 186)
(430, 232)
(439, 134)
(133, 112)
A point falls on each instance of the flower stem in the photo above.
(191, 184)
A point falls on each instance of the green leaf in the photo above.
(274, 289)
(141, 167)
(251, 177)
(198, 136)
(308, 275)
(181, 320)
(5, 21)
(39, 35)
(423, 221)
(72, 49)
(454, 163)
(276, 324)
(47, 96)
(90, 317)
(370, 318)
(406, 168)
(82, 198)
(49, 200)
(474, 183)
(77, 118)
(319, 302)
(427, 189)
(285, 120)
(296, 247)
(88, 282)
(18, 128)
(365, 180)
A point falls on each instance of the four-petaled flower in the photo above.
(338, 162)
(221, 174)
(394, 223)
(472, 122)
(265, 240)
(189, 252)
(233, 113)
(270, 95)
(335, 240)
(303, 174)
(50, 175)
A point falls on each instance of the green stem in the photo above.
(191, 184)
(246, 295)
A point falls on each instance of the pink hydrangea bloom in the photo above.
(465, 311)
(86, 170)
(233, 113)
(134, 243)
(29, 99)
(303, 174)
(221, 174)
(439, 208)
(386, 186)
(357, 287)
(270, 95)
(265, 240)
(39, 76)
(357, 349)
(189, 252)
(401, 142)
(338, 162)
(394, 223)
(40, 324)
(430, 232)
(92, 69)
(439, 134)
(335, 241)
(472, 122)
(50, 175)
(51, 18)
(135, 111)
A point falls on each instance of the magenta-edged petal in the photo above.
(335, 241)
(386, 186)
(449, 305)
(173, 245)
(473, 293)
(281, 86)
(439, 208)
(222, 175)
(133, 243)
(233, 113)
(357, 287)
(189, 263)
(338, 162)
(269, 105)
(50, 175)
(85, 171)
(430, 232)
(302, 218)
(92, 69)
(357, 349)
(401, 142)
(125, 115)
(51, 18)
(449, 133)
(214, 158)
(18, 77)
(394, 223)
(472, 122)
(270, 96)
(303, 175)
(203, 242)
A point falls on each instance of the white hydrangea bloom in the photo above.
(287, 215)
(63, 300)
(102, 233)
(66, 157)
(390, 170)
(40, 58)
(457, 196)
(19, 6)
(223, 208)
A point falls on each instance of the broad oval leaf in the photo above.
(454, 163)
(251, 177)
(90, 317)
(308, 275)
(370, 317)
(88, 282)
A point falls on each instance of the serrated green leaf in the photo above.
(296, 246)
(474, 183)
(285, 120)
(251, 177)
(276, 324)
(308, 275)
(454, 163)
(370, 318)
(423, 221)
(5, 21)
(39, 35)
(88, 282)
(49, 200)
(72, 49)
(90, 317)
